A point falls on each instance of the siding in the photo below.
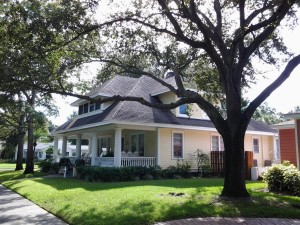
(201, 140)
(287, 145)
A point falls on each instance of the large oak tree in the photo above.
(213, 44)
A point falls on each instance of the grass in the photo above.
(7, 172)
(146, 202)
(12, 166)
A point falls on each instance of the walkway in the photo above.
(16, 210)
(232, 221)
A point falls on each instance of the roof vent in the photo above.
(170, 74)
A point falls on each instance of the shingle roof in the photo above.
(128, 111)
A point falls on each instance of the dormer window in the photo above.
(183, 109)
(88, 107)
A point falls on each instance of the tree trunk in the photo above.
(234, 181)
(30, 150)
(21, 133)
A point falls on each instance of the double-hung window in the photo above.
(217, 143)
(255, 145)
(177, 146)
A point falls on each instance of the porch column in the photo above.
(158, 147)
(297, 142)
(55, 149)
(94, 146)
(64, 146)
(78, 146)
(118, 145)
(90, 147)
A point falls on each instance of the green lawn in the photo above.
(12, 166)
(146, 202)
(7, 172)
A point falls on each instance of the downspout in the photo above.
(297, 144)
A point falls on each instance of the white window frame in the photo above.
(172, 141)
(258, 139)
(219, 142)
(180, 114)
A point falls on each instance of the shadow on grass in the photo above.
(200, 199)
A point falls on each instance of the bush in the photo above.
(284, 178)
(45, 165)
(79, 162)
(109, 174)
(55, 167)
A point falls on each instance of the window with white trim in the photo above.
(255, 145)
(88, 107)
(177, 148)
(217, 143)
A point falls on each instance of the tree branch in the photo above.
(264, 94)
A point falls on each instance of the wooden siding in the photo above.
(287, 145)
(201, 140)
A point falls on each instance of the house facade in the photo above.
(131, 134)
(289, 139)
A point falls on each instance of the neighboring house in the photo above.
(289, 139)
(129, 133)
(41, 150)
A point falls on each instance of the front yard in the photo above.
(146, 202)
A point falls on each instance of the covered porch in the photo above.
(112, 145)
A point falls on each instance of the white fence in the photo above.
(126, 161)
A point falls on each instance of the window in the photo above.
(178, 145)
(138, 144)
(92, 107)
(80, 110)
(183, 109)
(255, 145)
(98, 105)
(86, 108)
(105, 146)
(217, 143)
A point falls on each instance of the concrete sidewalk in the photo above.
(232, 221)
(16, 210)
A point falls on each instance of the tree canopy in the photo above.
(212, 44)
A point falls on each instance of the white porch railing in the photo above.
(126, 161)
(138, 161)
(105, 161)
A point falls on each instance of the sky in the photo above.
(283, 99)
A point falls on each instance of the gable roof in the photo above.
(134, 112)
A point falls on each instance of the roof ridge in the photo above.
(128, 94)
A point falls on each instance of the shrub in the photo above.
(55, 167)
(45, 165)
(109, 174)
(79, 162)
(283, 177)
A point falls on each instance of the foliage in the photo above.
(108, 174)
(268, 115)
(45, 165)
(283, 178)
(203, 163)
(79, 162)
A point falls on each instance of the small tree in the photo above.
(202, 160)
